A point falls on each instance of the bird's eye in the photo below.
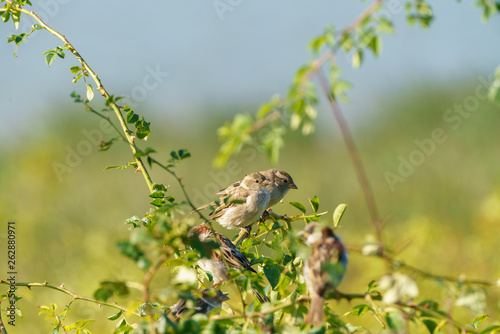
(256, 181)
(286, 181)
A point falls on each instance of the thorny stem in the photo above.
(75, 296)
(100, 88)
(356, 160)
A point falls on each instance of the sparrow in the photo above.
(204, 304)
(326, 248)
(243, 205)
(280, 180)
(229, 252)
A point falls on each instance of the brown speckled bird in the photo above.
(328, 248)
(234, 258)
(205, 303)
(280, 183)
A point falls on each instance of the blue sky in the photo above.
(181, 57)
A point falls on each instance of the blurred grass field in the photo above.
(444, 218)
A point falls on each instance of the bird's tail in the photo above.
(262, 298)
(316, 311)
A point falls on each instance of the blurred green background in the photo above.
(444, 217)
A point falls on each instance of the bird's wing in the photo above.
(226, 202)
(233, 256)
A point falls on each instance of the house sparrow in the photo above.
(204, 304)
(280, 180)
(255, 197)
(326, 249)
(233, 257)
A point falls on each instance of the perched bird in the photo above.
(327, 248)
(280, 183)
(233, 257)
(204, 304)
(242, 205)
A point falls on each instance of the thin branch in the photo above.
(269, 118)
(422, 273)
(75, 296)
(356, 159)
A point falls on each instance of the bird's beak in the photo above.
(293, 186)
(224, 297)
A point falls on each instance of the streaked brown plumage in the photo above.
(280, 183)
(205, 303)
(252, 193)
(234, 258)
(328, 248)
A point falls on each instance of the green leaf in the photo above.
(430, 324)
(157, 194)
(103, 294)
(385, 26)
(174, 155)
(394, 321)
(6, 16)
(90, 92)
(159, 187)
(338, 213)
(115, 316)
(184, 153)
(376, 45)
(272, 275)
(359, 310)
(158, 202)
(494, 90)
(132, 117)
(315, 203)
(478, 320)
(75, 69)
(83, 323)
(16, 18)
(50, 58)
(299, 206)
(356, 59)
(123, 327)
(78, 77)
(142, 129)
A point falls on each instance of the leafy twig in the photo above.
(75, 296)
(100, 88)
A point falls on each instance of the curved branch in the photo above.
(356, 160)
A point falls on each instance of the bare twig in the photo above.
(356, 160)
